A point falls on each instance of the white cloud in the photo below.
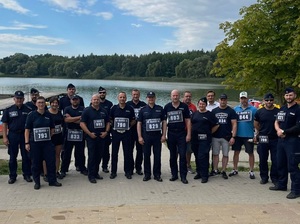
(65, 4)
(13, 5)
(35, 40)
(104, 15)
(136, 25)
(91, 2)
(21, 26)
(192, 20)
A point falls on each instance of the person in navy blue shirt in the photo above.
(179, 133)
(65, 101)
(95, 123)
(122, 119)
(74, 137)
(136, 104)
(13, 119)
(39, 128)
(34, 94)
(267, 139)
(151, 129)
(204, 123)
(287, 126)
(105, 104)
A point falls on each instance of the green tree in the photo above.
(261, 50)
(30, 69)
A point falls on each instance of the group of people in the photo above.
(47, 136)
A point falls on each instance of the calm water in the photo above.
(86, 88)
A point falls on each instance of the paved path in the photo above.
(236, 200)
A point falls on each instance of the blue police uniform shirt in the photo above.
(106, 105)
(15, 117)
(151, 119)
(224, 116)
(176, 116)
(136, 107)
(37, 120)
(95, 120)
(73, 113)
(245, 122)
(117, 112)
(65, 101)
(266, 119)
(288, 118)
(202, 123)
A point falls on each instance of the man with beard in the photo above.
(105, 104)
(136, 104)
(287, 126)
(65, 101)
(267, 139)
(34, 94)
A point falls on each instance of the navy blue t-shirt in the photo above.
(176, 116)
(266, 119)
(15, 117)
(106, 105)
(65, 101)
(224, 116)
(73, 112)
(288, 117)
(116, 113)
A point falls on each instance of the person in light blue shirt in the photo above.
(245, 133)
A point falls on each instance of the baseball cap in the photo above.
(289, 90)
(33, 91)
(223, 96)
(150, 94)
(243, 94)
(268, 96)
(75, 97)
(101, 89)
(70, 86)
(19, 94)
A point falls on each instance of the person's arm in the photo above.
(139, 132)
(69, 119)
(26, 136)
(4, 132)
(86, 130)
(106, 132)
(188, 129)
(164, 131)
(280, 132)
(215, 128)
(233, 131)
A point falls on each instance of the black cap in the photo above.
(75, 97)
(289, 90)
(268, 96)
(203, 99)
(70, 86)
(101, 89)
(33, 91)
(151, 94)
(19, 94)
(223, 96)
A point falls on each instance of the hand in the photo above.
(188, 138)
(27, 147)
(231, 141)
(93, 135)
(141, 141)
(163, 139)
(103, 134)
(5, 141)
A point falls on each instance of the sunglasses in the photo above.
(102, 92)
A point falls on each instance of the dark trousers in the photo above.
(117, 138)
(263, 150)
(40, 151)
(177, 146)
(17, 140)
(95, 151)
(152, 142)
(79, 154)
(139, 150)
(105, 154)
(288, 159)
(201, 151)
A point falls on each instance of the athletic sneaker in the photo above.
(214, 173)
(251, 175)
(190, 170)
(224, 175)
(233, 173)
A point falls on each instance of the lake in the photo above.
(86, 88)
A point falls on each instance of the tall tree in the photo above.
(262, 49)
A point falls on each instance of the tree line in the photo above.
(190, 64)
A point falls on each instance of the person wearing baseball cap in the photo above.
(245, 134)
(65, 101)
(266, 136)
(287, 126)
(14, 118)
(34, 94)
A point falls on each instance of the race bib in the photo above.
(57, 129)
(245, 115)
(263, 139)
(175, 116)
(202, 137)
(153, 124)
(281, 116)
(74, 135)
(222, 118)
(136, 112)
(13, 113)
(41, 134)
(99, 123)
(121, 124)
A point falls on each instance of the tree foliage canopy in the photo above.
(262, 49)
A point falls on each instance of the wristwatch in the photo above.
(282, 131)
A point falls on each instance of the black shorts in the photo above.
(57, 139)
(240, 141)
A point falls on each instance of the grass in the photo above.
(4, 170)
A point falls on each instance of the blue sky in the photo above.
(105, 27)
